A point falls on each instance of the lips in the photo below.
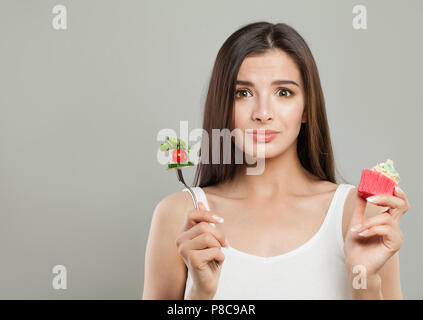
(263, 135)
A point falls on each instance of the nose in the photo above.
(262, 115)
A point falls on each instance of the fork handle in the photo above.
(194, 199)
(193, 196)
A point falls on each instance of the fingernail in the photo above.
(364, 232)
(219, 219)
(397, 188)
(356, 227)
(373, 199)
(212, 224)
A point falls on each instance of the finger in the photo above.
(202, 241)
(392, 235)
(380, 230)
(380, 219)
(214, 254)
(398, 205)
(387, 200)
(401, 194)
(358, 211)
(203, 227)
(398, 212)
(196, 216)
(386, 209)
(202, 206)
(199, 258)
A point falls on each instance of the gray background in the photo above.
(80, 110)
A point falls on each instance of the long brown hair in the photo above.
(314, 145)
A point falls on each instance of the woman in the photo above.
(294, 233)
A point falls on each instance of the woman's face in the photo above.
(263, 103)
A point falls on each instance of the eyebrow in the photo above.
(276, 82)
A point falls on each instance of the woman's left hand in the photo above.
(370, 242)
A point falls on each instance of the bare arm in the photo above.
(389, 274)
(165, 271)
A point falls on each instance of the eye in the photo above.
(242, 93)
(287, 92)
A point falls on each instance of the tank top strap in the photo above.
(200, 195)
(340, 196)
(338, 214)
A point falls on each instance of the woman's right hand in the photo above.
(199, 243)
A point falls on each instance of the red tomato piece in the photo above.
(179, 156)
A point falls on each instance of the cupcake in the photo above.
(381, 179)
(179, 153)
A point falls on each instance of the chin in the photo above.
(264, 151)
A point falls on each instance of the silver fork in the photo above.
(194, 198)
(181, 180)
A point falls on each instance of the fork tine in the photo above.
(181, 180)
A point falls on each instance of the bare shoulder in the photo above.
(173, 208)
(165, 270)
(327, 186)
(323, 190)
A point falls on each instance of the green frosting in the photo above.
(389, 167)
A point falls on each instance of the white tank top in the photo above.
(315, 270)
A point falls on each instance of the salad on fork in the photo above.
(179, 153)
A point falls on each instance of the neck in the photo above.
(283, 176)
